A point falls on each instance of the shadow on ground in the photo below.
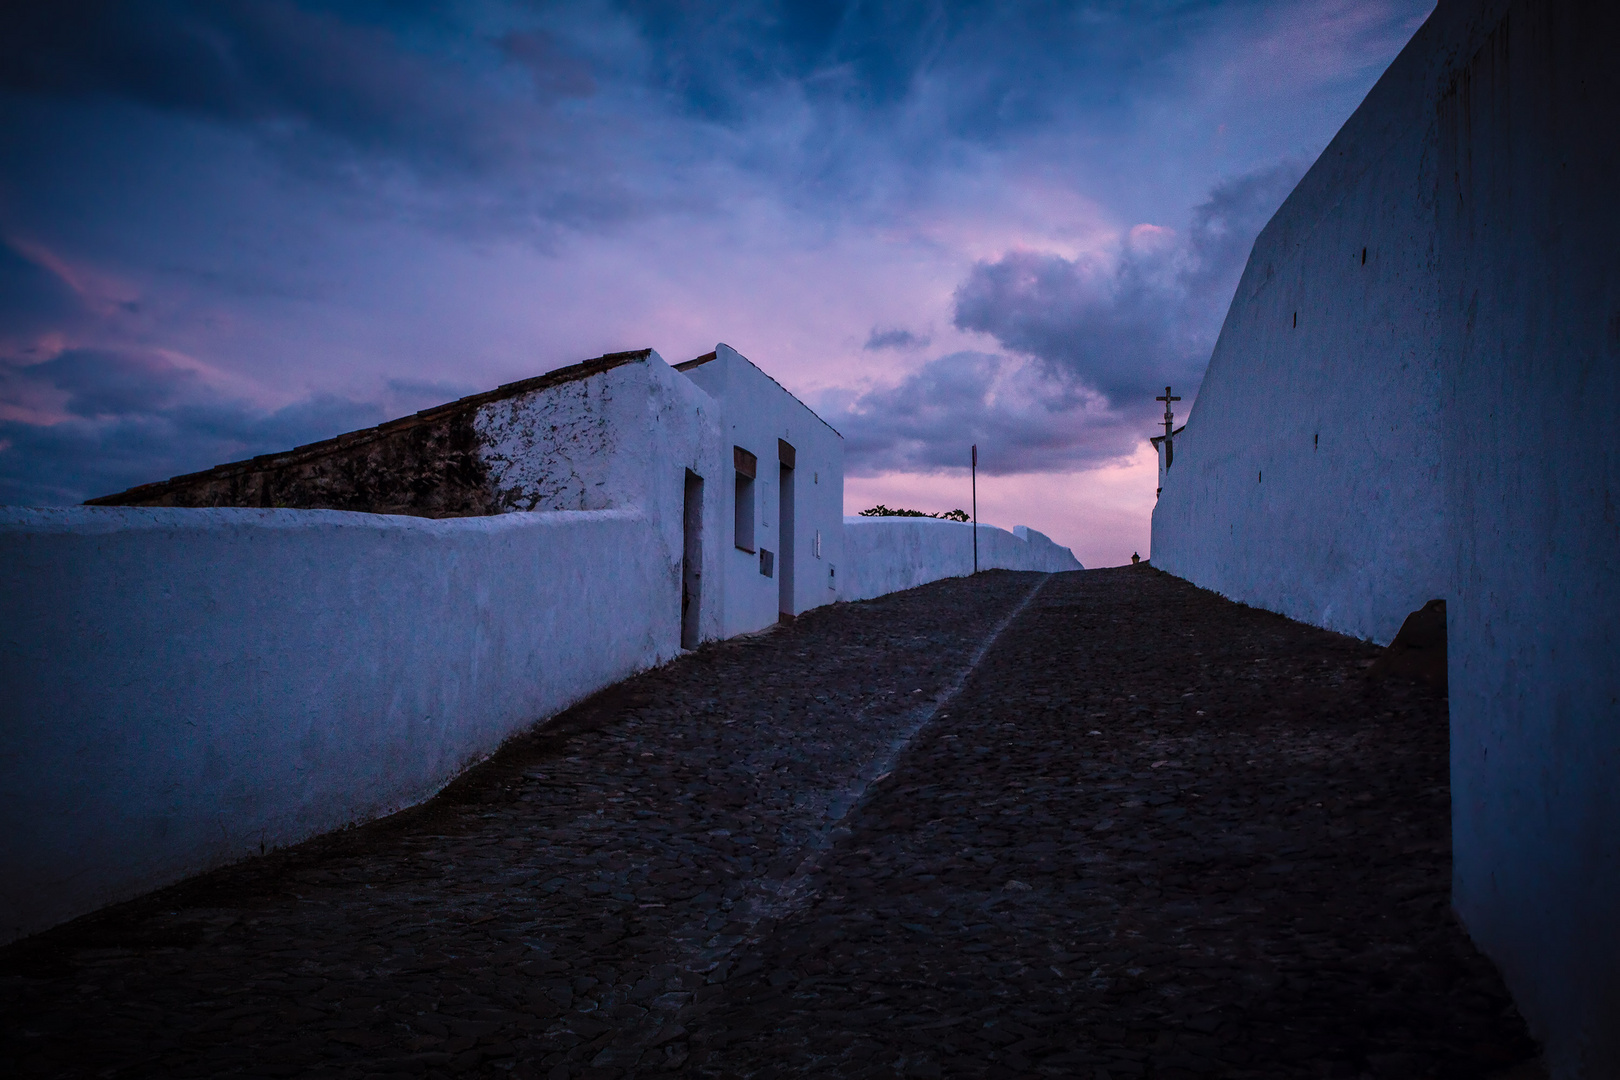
(1144, 832)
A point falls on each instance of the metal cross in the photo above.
(1169, 417)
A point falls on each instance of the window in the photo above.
(767, 563)
(743, 528)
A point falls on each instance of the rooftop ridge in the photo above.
(710, 356)
(308, 451)
(697, 361)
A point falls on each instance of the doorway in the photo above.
(691, 561)
(784, 516)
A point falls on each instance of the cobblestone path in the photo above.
(1152, 834)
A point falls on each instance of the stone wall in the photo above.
(1529, 254)
(1307, 479)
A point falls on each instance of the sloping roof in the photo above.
(699, 361)
(436, 414)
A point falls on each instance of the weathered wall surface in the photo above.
(184, 686)
(453, 460)
(187, 686)
(1529, 250)
(1307, 480)
(888, 554)
(1420, 433)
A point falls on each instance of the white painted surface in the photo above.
(622, 439)
(757, 412)
(185, 685)
(1529, 253)
(888, 554)
(1458, 382)
(1307, 479)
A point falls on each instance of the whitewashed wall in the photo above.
(1455, 382)
(185, 687)
(621, 439)
(1307, 480)
(888, 554)
(758, 411)
(1529, 253)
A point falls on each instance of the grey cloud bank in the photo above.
(127, 417)
(1025, 419)
(1122, 322)
(1100, 332)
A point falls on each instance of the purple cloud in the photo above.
(894, 338)
(1127, 321)
(1022, 418)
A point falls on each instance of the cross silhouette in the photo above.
(1169, 417)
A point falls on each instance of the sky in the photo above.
(234, 226)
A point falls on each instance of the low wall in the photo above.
(888, 554)
(189, 687)
(186, 687)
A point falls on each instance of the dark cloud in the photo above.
(212, 156)
(1223, 230)
(1022, 419)
(412, 395)
(1126, 322)
(115, 382)
(125, 417)
(1001, 65)
(247, 61)
(555, 117)
(894, 338)
(356, 98)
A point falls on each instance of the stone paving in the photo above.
(1099, 824)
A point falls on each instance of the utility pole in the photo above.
(975, 468)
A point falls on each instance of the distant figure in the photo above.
(1135, 558)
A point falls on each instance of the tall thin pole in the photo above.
(975, 508)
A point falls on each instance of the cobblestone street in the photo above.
(1099, 824)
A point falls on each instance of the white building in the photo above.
(784, 486)
(1386, 420)
(200, 669)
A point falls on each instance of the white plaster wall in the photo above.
(185, 686)
(1529, 251)
(1458, 382)
(756, 412)
(559, 448)
(888, 554)
(1307, 480)
(620, 439)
